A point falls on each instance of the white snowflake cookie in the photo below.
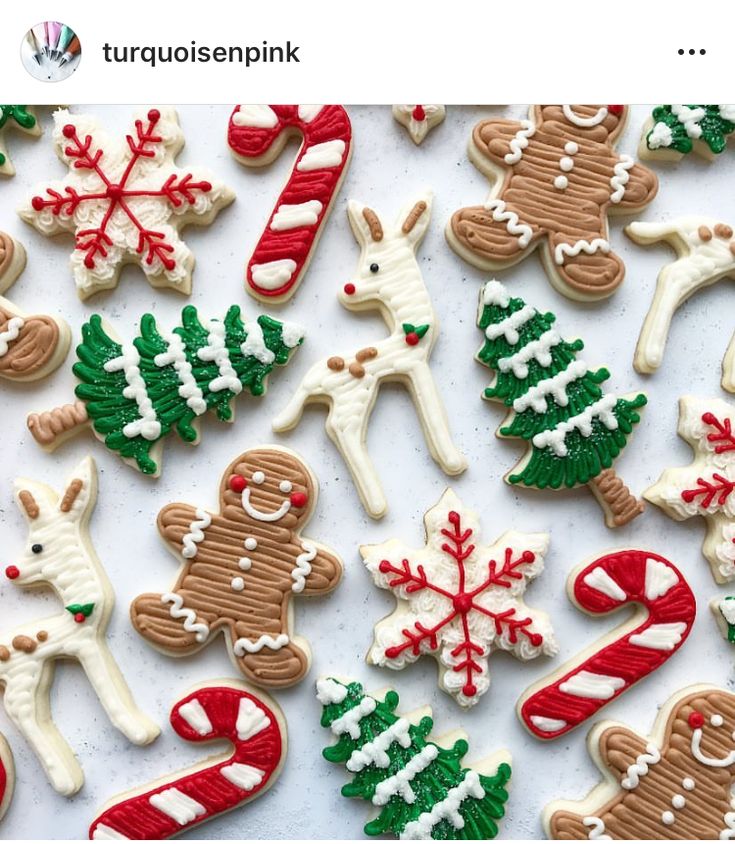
(125, 200)
(459, 600)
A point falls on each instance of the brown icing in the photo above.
(371, 218)
(42, 635)
(4, 654)
(356, 370)
(616, 497)
(704, 233)
(25, 644)
(336, 363)
(638, 812)
(46, 427)
(723, 230)
(413, 216)
(29, 504)
(558, 216)
(262, 606)
(70, 496)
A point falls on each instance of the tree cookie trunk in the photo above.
(51, 428)
(618, 502)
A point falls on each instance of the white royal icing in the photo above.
(251, 719)
(256, 116)
(660, 578)
(600, 580)
(273, 274)
(147, 425)
(660, 637)
(400, 782)
(591, 685)
(349, 722)
(243, 776)
(641, 766)
(216, 351)
(584, 122)
(702, 757)
(571, 250)
(177, 805)
(375, 752)
(295, 216)
(195, 535)
(254, 344)
(10, 333)
(175, 356)
(620, 178)
(179, 611)
(539, 350)
(302, 569)
(689, 118)
(555, 386)
(246, 646)
(597, 829)
(509, 327)
(513, 225)
(446, 809)
(520, 141)
(307, 113)
(260, 515)
(660, 136)
(196, 717)
(329, 691)
(602, 410)
(548, 725)
(326, 154)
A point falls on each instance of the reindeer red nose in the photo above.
(299, 499)
(11, 572)
(238, 483)
(349, 288)
(696, 720)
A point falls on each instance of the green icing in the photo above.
(104, 392)
(714, 129)
(586, 456)
(430, 786)
(730, 627)
(20, 115)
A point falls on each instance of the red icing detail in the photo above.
(696, 720)
(617, 110)
(96, 242)
(11, 572)
(250, 143)
(619, 658)
(135, 818)
(422, 639)
(418, 113)
(238, 483)
(299, 499)
(80, 618)
(412, 338)
(719, 488)
(722, 436)
(349, 288)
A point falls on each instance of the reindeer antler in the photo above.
(70, 496)
(28, 502)
(371, 218)
(413, 216)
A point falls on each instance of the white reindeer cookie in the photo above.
(59, 554)
(388, 279)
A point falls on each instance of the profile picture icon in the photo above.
(51, 51)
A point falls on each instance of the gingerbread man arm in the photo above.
(326, 573)
(494, 140)
(175, 522)
(640, 189)
(622, 751)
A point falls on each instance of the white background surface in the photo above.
(387, 169)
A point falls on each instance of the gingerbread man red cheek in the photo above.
(238, 483)
(696, 720)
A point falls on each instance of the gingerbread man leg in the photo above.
(491, 236)
(271, 659)
(585, 266)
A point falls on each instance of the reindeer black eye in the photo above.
(374, 268)
(36, 548)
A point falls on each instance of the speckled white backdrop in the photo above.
(387, 169)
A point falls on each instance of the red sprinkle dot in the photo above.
(79, 618)
(349, 288)
(299, 499)
(68, 130)
(238, 483)
(617, 110)
(412, 338)
(696, 720)
(12, 572)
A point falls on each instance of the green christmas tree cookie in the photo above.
(574, 430)
(420, 789)
(19, 117)
(135, 394)
(674, 131)
(724, 610)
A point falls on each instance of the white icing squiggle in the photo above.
(176, 355)
(584, 122)
(555, 386)
(564, 250)
(254, 344)
(147, 426)
(621, 178)
(350, 722)
(446, 809)
(597, 829)
(641, 766)
(711, 761)
(375, 752)
(660, 136)
(178, 610)
(509, 326)
(400, 783)
(216, 350)
(494, 293)
(689, 119)
(513, 225)
(539, 350)
(303, 565)
(196, 534)
(246, 646)
(602, 409)
(259, 514)
(330, 691)
(520, 141)
(10, 333)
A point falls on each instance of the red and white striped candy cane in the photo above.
(602, 672)
(7, 776)
(256, 135)
(186, 798)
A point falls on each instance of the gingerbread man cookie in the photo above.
(241, 567)
(675, 784)
(557, 176)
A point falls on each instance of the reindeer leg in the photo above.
(28, 708)
(350, 441)
(291, 414)
(113, 693)
(433, 418)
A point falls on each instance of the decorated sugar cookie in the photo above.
(705, 487)
(665, 610)
(419, 788)
(241, 566)
(724, 612)
(458, 600)
(705, 250)
(59, 554)
(257, 134)
(674, 131)
(573, 430)
(556, 178)
(135, 394)
(31, 347)
(388, 279)
(419, 120)
(21, 118)
(7, 776)
(223, 709)
(675, 784)
(125, 200)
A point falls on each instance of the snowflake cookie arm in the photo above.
(181, 527)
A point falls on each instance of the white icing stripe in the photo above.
(540, 350)
(196, 717)
(10, 333)
(294, 216)
(548, 725)
(493, 293)
(400, 783)
(257, 116)
(177, 805)
(597, 829)
(519, 142)
(349, 722)
(303, 565)
(147, 426)
(564, 250)
(659, 579)
(273, 274)
(600, 580)
(243, 646)
(178, 610)
(689, 118)
(375, 752)
(660, 637)
(216, 350)
(329, 691)
(728, 833)
(254, 343)
(196, 534)
(251, 719)
(307, 113)
(176, 355)
(555, 386)
(591, 685)
(102, 832)
(513, 226)
(584, 122)
(510, 325)
(710, 761)
(327, 154)
(641, 766)
(259, 514)
(602, 409)
(621, 178)
(243, 776)
(447, 809)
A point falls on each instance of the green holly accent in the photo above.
(20, 115)
(83, 609)
(712, 128)
(418, 330)
(730, 626)
(403, 808)
(178, 392)
(560, 455)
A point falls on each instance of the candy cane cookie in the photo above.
(222, 709)
(601, 672)
(257, 134)
(7, 776)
